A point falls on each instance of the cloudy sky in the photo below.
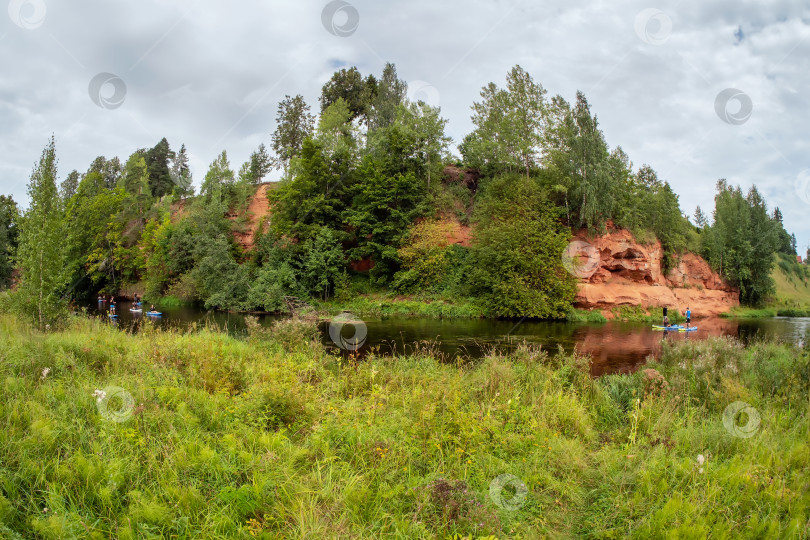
(699, 90)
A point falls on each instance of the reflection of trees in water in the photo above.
(613, 346)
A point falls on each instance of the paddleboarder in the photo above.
(666, 318)
(688, 316)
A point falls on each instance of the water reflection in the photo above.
(614, 346)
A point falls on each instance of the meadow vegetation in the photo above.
(272, 436)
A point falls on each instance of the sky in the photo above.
(698, 90)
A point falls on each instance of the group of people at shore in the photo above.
(137, 301)
(687, 314)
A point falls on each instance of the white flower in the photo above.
(701, 459)
(99, 395)
(45, 372)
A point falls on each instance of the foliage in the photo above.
(293, 126)
(9, 224)
(382, 209)
(323, 262)
(516, 266)
(425, 257)
(350, 86)
(509, 125)
(41, 254)
(741, 242)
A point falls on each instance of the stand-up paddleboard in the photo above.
(112, 316)
(154, 314)
(138, 310)
(675, 328)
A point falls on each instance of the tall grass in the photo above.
(272, 437)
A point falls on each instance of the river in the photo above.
(614, 346)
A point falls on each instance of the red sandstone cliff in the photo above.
(623, 272)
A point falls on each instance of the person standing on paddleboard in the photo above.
(688, 316)
(666, 319)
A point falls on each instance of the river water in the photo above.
(614, 346)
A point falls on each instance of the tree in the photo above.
(516, 260)
(382, 208)
(425, 127)
(110, 170)
(180, 173)
(323, 263)
(260, 164)
(740, 243)
(40, 255)
(9, 220)
(314, 198)
(348, 84)
(218, 180)
(509, 125)
(700, 218)
(90, 229)
(135, 182)
(294, 123)
(389, 95)
(336, 134)
(70, 185)
(157, 163)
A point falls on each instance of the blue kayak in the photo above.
(154, 314)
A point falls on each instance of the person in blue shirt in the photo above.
(688, 316)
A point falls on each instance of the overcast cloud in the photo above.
(210, 74)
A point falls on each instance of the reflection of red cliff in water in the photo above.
(622, 352)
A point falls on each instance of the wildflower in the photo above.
(45, 372)
(100, 395)
(700, 461)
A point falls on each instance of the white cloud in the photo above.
(210, 75)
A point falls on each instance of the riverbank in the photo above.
(272, 436)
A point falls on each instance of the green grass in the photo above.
(384, 305)
(273, 437)
(743, 312)
(585, 315)
(642, 314)
(792, 282)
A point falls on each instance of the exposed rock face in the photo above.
(258, 210)
(631, 274)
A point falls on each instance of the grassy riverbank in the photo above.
(273, 437)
